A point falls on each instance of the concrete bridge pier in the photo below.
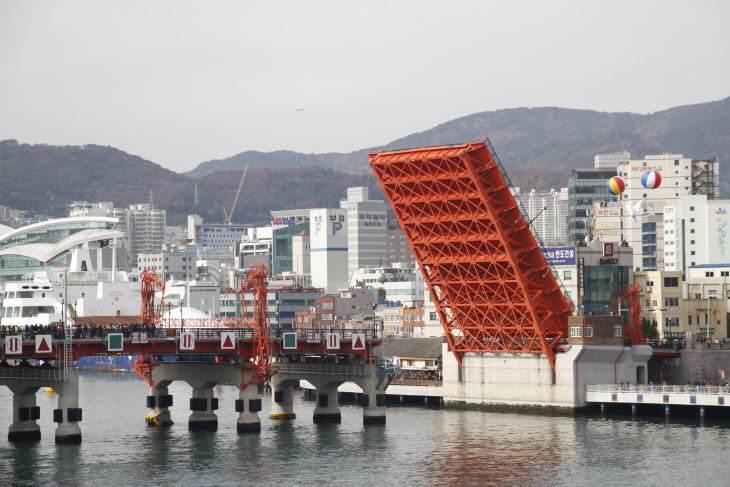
(282, 406)
(248, 406)
(68, 413)
(372, 399)
(202, 405)
(159, 401)
(25, 413)
(327, 407)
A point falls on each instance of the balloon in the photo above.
(615, 185)
(651, 179)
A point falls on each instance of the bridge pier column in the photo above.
(327, 409)
(248, 407)
(202, 405)
(68, 413)
(372, 400)
(25, 413)
(282, 407)
(159, 401)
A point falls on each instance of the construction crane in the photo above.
(634, 330)
(151, 282)
(261, 368)
(228, 216)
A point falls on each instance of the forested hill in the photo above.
(547, 137)
(45, 178)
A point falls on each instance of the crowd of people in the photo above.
(57, 331)
(418, 375)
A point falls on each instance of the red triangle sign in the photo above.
(358, 342)
(227, 343)
(43, 346)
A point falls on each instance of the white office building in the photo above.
(695, 233)
(328, 249)
(367, 230)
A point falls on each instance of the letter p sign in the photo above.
(336, 226)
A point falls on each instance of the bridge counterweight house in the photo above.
(239, 351)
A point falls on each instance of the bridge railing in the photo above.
(31, 373)
(658, 389)
(326, 369)
(202, 332)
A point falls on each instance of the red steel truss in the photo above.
(151, 282)
(261, 367)
(634, 330)
(493, 289)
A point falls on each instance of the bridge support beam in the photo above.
(25, 413)
(282, 407)
(248, 407)
(68, 413)
(202, 405)
(159, 401)
(327, 405)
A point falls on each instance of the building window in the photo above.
(589, 331)
(691, 220)
(691, 208)
(575, 331)
(692, 242)
(691, 230)
(567, 275)
(671, 302)
(671, 282)
(709, 274)
(618, 330)
(724, 273)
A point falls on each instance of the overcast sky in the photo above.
(182, 82)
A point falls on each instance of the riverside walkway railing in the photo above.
(417, 382)
(659, 389)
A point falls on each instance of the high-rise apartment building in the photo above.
(548, 211)
(366, 230)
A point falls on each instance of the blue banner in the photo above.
(560, 255)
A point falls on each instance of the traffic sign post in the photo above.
(228, 340)
(13, 344)
(115, 342)
(358, 341)
(333, 341)
(187, 341)
(290, 341)
(43, 344)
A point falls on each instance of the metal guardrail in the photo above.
(659, 389)
(31, 373)
(326, 369)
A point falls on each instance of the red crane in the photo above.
(151, 282)
(634, 330)
(260, 367)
